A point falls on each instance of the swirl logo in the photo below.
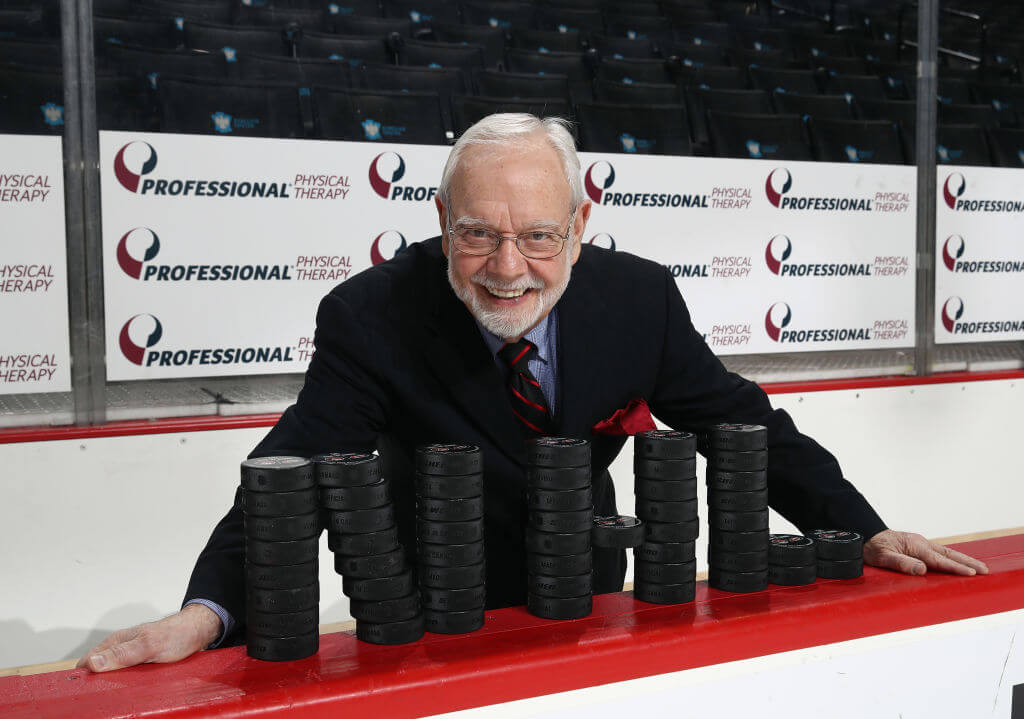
(602, 239)
(778, 184)
(777, 251)
(777, 317)
(386, 169)
(133, 155)
(139, 334)
(599, 177)
(388, 239)
(952, 188)
(952, 310)
(139, 237)
(952, 250)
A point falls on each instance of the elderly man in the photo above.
(411, 352)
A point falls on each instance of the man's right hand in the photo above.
(167, 640)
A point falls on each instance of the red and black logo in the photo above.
(952, 310)
(139, 236)
(386, 169)
(952, 250)
(598, 178)
(147, 328)
(386, 245)
(954, 186)
(602, 239)
(129, 178)
(777, 251)
(778, 316)
(779, 182)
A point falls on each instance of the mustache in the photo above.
(526, 283)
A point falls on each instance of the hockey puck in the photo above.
(666, 573)
(282, 576)
(274, 553)
(360, 521)
(617, 532)
(365, 496)
(276, 504)
(737, 481)
(556, 543)
(555, 565)
(451, 487)
(674, 469)
(449, 459)
(562, 522)
(282, 624)
(470, 575)
(558, 452)
(672, 532)
(564, 587)
(454, 622)
(666, 490)
(739, 541)
(558, 478)
(399, 632)
(739, 521)
(840, 568)
(837, 544)
(450, 510)
(361, 545)
(450, 532)
(283, 600)
(652, 511)
(553, 500)
(791, 550)
(665, 593)
(368, 566)
(737, 501)
(450, 555)
(378, 588)
(282, 649)
(277, 474)
(282, 529)
(664, 444)
(347, 469)
(559, 608)
(737, 581)
(667, 552)
(738, 461)
(385, 610)
(792, 576)
(737, 437)
(453, 600)
(738, 561)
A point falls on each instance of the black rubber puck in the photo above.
(653, 511)
(840, 568)
(282, 529)
(277, 474)
(737, 581)
(453, 600)
(450, 532)
(558, 478)
(440, 487)
(360, 521)
(838, 544)
(562, 522)
(361, 545)
(385, 610)
(617, 532)
(282, 576)
(559, 608)
(792, 576)
(282, 649)
(347, 469)
(673, 469)
(737, 501)
(737, 437)
(399, 632)
(739, 541)
(555, 565)
(276, 504)
(738, 561)
(554, 500)
(378, 588)
(671, 552)
(563, 587)
(470, 575)
(666, 490)
(555, 543)
(454, 622)
(738, 461)
(737, 481)
(282, 624)
(450, 510)
(387, 564)
(449, 459)
(273, 553)
(665, 593)
(672, 531)
(664, 444)
(283, 600)
(666, 573)
(558, 452)
(791, 550)
(366, 496)
(739, 521)
(450, 555)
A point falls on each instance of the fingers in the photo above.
(121, 635)
(891, 559)
(976, 564)
(937, 560)
(120, 655)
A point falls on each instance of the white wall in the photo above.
(100, 534)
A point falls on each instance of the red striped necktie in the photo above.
(528, 402)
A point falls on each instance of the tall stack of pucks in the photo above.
(665, 467)
(840, 553)
(279, 511)
(361, 531)
(792, 560)
(559, 561)
(737, 481)
(450, 536)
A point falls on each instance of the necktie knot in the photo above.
(517, 354)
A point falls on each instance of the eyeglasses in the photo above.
(537, 245)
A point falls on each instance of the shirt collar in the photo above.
(538, 335)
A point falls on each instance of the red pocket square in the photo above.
(634, 417)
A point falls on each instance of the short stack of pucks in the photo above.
(360, 518)
(792, 560)
(665, 469)
(281, 527)
(840, 553)
(559, 560)
(737, 480)
(450, 537)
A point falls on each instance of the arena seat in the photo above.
(31, 102)
(633, 70)
(356, 49)
(233, 41)
(302, 72)
(901, 111)
(338, 9)
(744, 57)
(953, 91)
(28, 24)
(770, 137)
(444, 82)
(701, 33)
(30, 54)
(640, 93)
(375, 26)
(773, 78)
(564, 19)
(1007, 147)
(169, 11)
(506, 15)
(608, 46)
(422, 12)
(574, 65)
(441, 54)
(832, 107)
(545, 40)
(701, 99)
(968, 114)
(954, 144)
(153, 64)
(897, 78)
(155, 34)
(491, 39)
(308, 19)
(835, 65)
(234, 109)
(493, 83)
(403, 117)
(861, 87)
(870, 141)
(468, 110)
(639, 129)
(720, 77)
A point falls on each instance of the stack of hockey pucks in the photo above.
(279, 510)
(737, 481)
(665, 465)
(792, 560)
(840, 553)
(559, 561)
(450, 537)
(361, 531)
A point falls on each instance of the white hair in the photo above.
(507, 127)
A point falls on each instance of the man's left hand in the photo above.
(913, 554)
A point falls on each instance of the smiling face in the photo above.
(511, 191)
